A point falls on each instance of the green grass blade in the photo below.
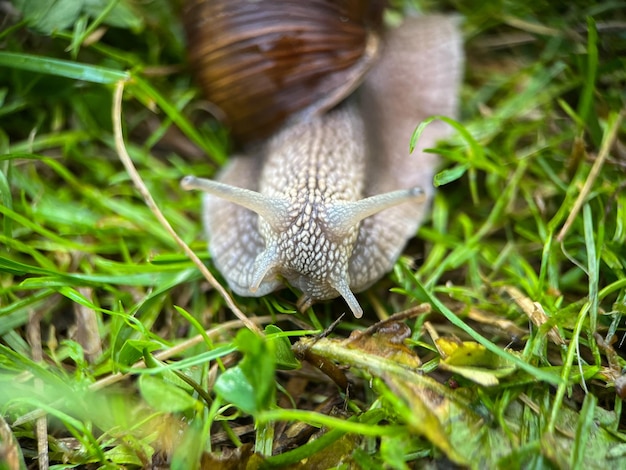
(62, 68)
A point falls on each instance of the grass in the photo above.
(115, 351)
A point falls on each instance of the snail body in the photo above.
(329, 201)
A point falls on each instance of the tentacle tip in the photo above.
(189, 182)
(256, 283)
(417, 191)
(263, 266)
(342, 287)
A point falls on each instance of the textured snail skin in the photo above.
(333, 198)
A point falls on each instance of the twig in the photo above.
(145, 193)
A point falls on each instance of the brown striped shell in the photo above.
(261, 61)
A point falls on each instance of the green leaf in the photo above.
(250, 386)
(133, 350)
(285, 358)
(121, 14)
(234, 387)
(164, 396)
(450, 174)
(48, 16)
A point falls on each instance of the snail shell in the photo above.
(329, 201)
(262, 61)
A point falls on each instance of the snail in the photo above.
(328, 201)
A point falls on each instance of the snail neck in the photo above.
(311, 250)
(310, 205)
